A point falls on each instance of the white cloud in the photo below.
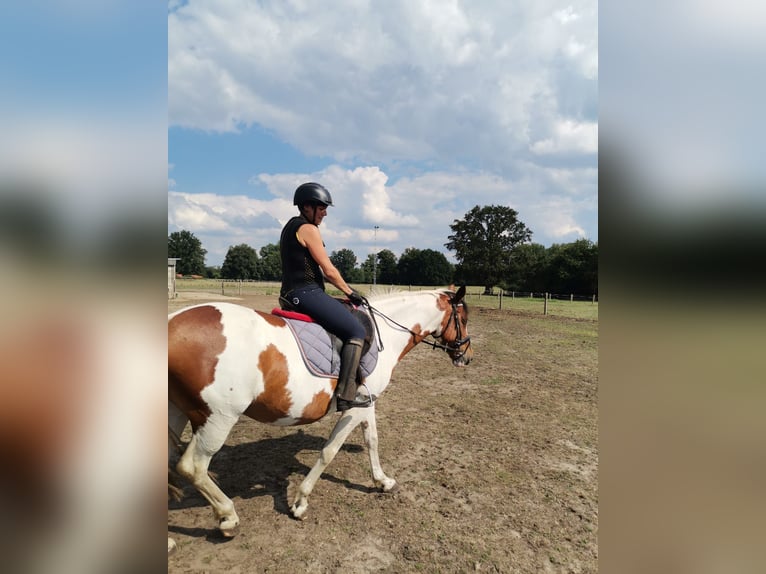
(569, 136)
(376, 200)
(424, 207)
(555, 219)
(383, 81)
(566, 15)
(186, 211)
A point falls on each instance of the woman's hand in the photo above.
(355, 297)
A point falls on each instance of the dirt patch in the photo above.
(497, 466)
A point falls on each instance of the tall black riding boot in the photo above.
(350, 356)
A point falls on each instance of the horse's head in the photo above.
(454, 328)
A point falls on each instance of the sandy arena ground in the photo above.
(497, 465)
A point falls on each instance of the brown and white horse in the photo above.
(225, 360)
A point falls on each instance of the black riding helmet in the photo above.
(311, 193)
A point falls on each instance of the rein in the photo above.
(450, 346)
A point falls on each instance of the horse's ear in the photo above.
(459, 295)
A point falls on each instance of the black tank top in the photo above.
(298, 267)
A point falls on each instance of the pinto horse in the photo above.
(225, 360)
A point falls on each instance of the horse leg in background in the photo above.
(176, 424)
(205, 442)
(348, 421)
(370, 429)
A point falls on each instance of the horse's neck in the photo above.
(418, 312)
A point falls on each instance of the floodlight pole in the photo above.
(375, 257)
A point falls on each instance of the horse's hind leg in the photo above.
(370, 429)
(347, 423)
(205, 442)
(176, 423)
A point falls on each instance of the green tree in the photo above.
(528, 269)
(387, 271)
(384, 268)
(433, 268)
(188, 249)
(407, 267)
(573, 267)
(270, 266)
(213, 272)
(241, 262)
(366, 269)
(424, 267)
(483, 242)
(345, 261)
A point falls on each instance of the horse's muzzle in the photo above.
(461, 358)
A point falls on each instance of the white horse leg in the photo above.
(194, 463)
(347, 423)
(370, 429)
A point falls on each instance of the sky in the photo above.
(410, 113)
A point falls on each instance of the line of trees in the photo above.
(492, 247)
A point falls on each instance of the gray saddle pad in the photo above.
(321, 351)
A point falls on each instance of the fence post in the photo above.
(513, 294)
(571, 297)
(500, 299)
(222, 289)
(594, 298)
(239, 290)
(545, 306)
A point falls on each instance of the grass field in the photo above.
(536, 305)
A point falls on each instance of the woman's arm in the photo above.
(309, 236)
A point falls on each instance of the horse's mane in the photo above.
(382, 293)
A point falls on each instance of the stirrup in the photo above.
(342, 404)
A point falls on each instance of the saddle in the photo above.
(321, 349)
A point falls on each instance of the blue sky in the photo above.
(410, 113)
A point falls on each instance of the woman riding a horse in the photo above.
(305, 266)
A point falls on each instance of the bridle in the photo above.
(459, 340)
(448, 346)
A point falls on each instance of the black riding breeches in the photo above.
(327, 311)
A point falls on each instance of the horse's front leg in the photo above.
(370, 428)
(347, 423)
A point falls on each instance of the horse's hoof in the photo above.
(228, 528)
(298, 514)
(389, 485)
